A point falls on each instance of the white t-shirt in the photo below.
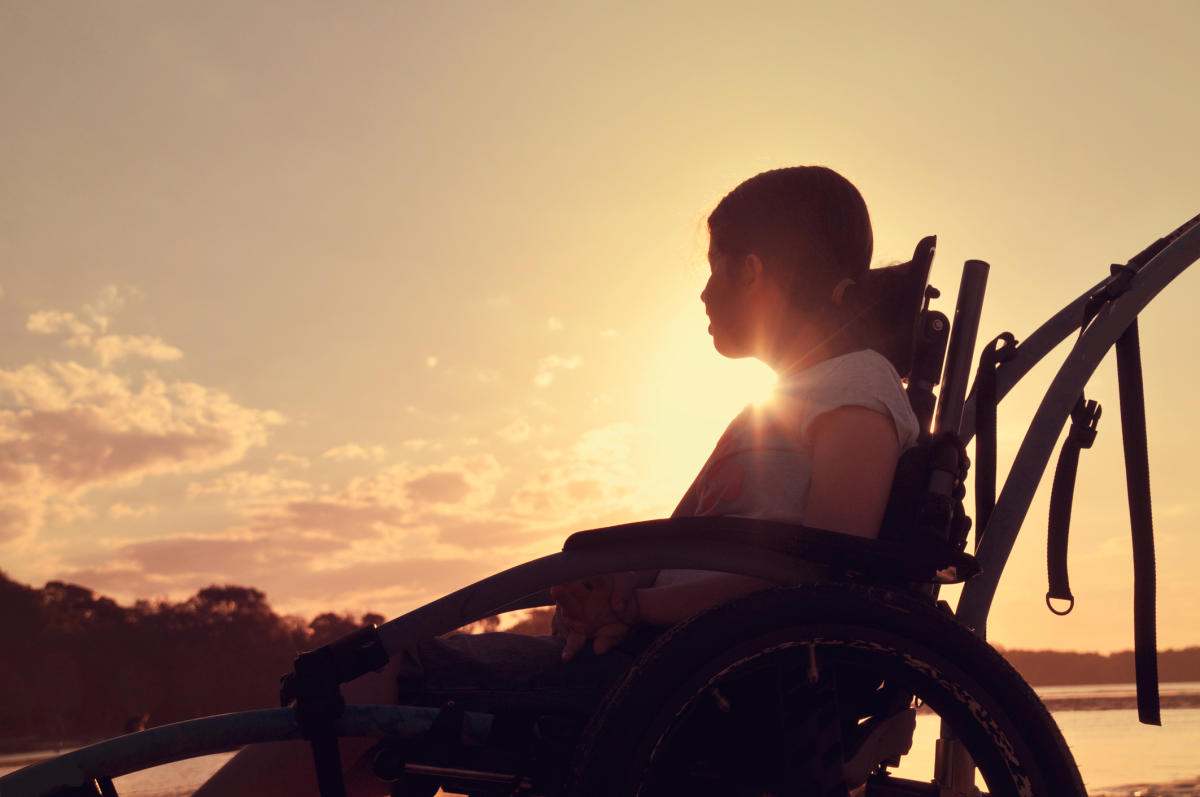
(762, 465)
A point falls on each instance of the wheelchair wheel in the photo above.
(738, 700)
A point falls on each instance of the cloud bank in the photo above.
(66, 428)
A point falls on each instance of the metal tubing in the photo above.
(180, 740)
(1029, 353)
(511, 587)
(1054, 331)
(961, 352)
(1038, 444)
(473, 775)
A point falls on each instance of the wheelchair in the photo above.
(785, 691)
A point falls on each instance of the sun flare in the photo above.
(688, 395)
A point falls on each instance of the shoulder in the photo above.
(858, 379)
(865, 371)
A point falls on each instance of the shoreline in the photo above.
(1188, 787)
(14, 761)
(1121, 702)
(1118, 702)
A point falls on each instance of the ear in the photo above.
(750, 271)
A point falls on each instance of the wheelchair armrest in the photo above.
(877, 560)
(762, 548)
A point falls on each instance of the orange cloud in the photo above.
(344, 519)
(223, 556)
(111, 299)
(353, 451)
(296, 566)
(465, 481)
(72, 428)
(548, 365)
(246, 484)
(83, 335)
(396, 497)
(386, 540)
(486, 533)
(119, 510)
(24, 495)
(52, 322)
(293, 459)
(516, 431)
(590, 479)
(110, 348)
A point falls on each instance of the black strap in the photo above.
(1084, 417)
(315, 685)
(1137, 480)
(318, 704)
(1000, 350)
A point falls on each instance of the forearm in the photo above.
(665, 606)
(644, 578)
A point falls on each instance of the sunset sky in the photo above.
(357, 303)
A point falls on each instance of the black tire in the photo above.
(631, 746)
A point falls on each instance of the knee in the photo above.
(374, 688)
(382, 686)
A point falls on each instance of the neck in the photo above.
(808, 345)
(795, 350)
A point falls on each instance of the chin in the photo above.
(729, 349)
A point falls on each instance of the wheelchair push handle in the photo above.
(961, 351)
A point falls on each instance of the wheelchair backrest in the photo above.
(895, 305)
(920, 342)
(925, 506)
(904, 330)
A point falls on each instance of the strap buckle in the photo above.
(1085, 416)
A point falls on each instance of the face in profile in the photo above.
(726, 302)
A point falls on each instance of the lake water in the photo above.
(1110, 747)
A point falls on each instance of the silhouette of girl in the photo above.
(790, 251)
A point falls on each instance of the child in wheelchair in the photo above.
(790, 285)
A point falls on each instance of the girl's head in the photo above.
(808, 224)
(784, 245)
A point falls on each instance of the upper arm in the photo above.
(854, 461)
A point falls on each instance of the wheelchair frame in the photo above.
(755, 548)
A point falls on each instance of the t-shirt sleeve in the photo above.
(864, 382)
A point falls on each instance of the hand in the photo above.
(600, 608)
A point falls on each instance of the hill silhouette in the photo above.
(76, 665)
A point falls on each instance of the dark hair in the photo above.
(808, 224)
(812, 230)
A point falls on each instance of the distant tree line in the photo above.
(1060, 668)
(74, 665)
